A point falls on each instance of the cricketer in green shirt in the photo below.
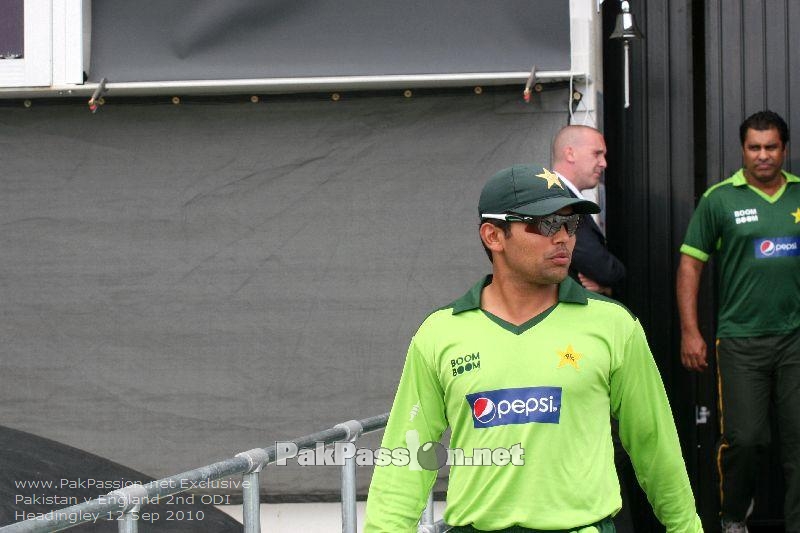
(542, 391)
(757, 240)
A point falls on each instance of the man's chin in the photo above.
(765, 176)
(553, 276)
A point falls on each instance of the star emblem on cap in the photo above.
(569, 357)
(552, 178)
(796, 215)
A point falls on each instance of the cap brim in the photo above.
(551, 205)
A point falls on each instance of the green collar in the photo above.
(738, 179)
(568, 291)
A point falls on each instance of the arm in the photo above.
(648, 433)
(693, 347)
(592, 259)
(592, 285)
(398, 492)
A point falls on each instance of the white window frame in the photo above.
(71, 38)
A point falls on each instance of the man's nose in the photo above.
(561, 235)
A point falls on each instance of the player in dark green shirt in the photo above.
(751, 221)
(526, 368)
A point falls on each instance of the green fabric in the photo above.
(758, 295)
(472, 300)
(567, 292)
(605, 525)
(595, 351)
(513, 328)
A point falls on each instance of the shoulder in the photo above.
(588, 225)
(790, 176)
(449, 319)
(725, 186)
(439, 318)
(440, 329)
(573, 293)
(600, 317)
(791, 180)
(615, 309)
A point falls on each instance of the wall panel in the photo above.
(215, 276)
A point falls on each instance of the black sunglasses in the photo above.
(546, 226)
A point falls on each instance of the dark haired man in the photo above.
(525, 369)
(752, 222)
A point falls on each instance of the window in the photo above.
(42, 42)
(12, 19)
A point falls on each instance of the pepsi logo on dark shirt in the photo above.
(777, 247)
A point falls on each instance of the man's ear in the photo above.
(569, 154)
(492, 236)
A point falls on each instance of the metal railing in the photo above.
(126, 503)
(290, 85)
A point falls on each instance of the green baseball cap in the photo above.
(529, 190)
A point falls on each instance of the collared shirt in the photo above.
(543, 389)
(756, 238)
(571, 186)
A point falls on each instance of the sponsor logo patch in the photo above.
(777, 247)
(515, 406)
(465, 363)
(743, 216)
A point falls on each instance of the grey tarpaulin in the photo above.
(208, 39)
(181, 283)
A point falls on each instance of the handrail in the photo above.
(129, 499)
